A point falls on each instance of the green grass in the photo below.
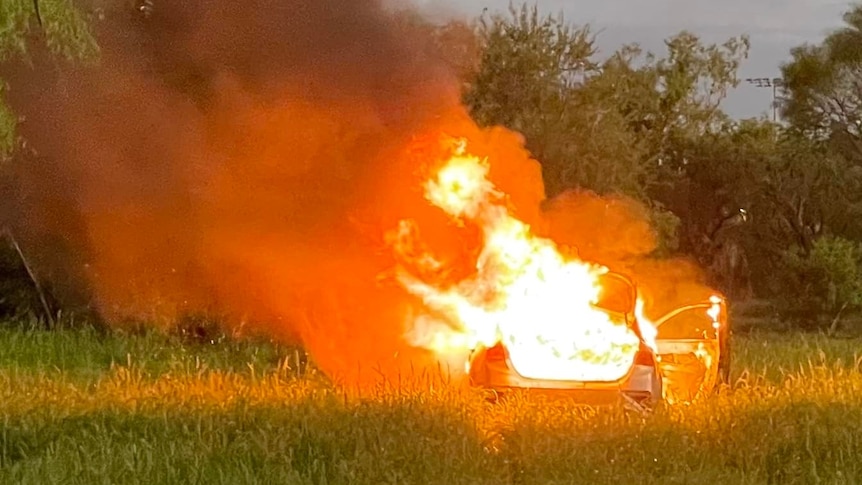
(78, 406)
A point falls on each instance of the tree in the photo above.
(528, 65)
(712, 192)
(827, 280)
(793, 189)
(607, 126)
(459, 46)
(528, 80)
(823, 86)
(668, 105)
(59, 26)
(613, 126)
(669, 100)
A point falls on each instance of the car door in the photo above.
(692, 348)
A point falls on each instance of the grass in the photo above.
(78, 406)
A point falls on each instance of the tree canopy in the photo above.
(747, 199)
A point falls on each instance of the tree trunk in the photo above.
(38, 12)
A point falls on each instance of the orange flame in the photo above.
(524, 293)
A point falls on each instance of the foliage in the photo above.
(823, 87)
(671, 100)
(750, 165)
(59, 27)
(8, 122)
(738, 196)
(606, 126)
(828, 277)
(529, 66)
(823, 103)
(528, 61)
(628, 124)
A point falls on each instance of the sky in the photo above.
(774, 27)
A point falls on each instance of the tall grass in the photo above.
(82, 407)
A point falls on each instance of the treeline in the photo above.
(771, 210)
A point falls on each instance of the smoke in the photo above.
(241, 159)
(246, 159)
(617, 231)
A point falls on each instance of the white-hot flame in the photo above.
(524, 292)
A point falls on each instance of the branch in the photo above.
(835, 321)
(38, 12)
(32, 275)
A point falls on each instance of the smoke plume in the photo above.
(247, 158)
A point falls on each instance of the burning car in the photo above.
(531, 314)
(686, 358)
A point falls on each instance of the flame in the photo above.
(524, 292)
(714, 311)
(649, 330)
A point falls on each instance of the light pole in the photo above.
(765, 82)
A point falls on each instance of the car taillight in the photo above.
(496, 353)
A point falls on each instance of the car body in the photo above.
(688, 347)
(693, 347)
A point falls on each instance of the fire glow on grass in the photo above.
(524, 293)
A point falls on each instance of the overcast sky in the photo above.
(774, 26)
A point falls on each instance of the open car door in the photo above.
(692, 344)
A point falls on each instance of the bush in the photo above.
(823, 282)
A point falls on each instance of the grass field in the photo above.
(82, 407)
